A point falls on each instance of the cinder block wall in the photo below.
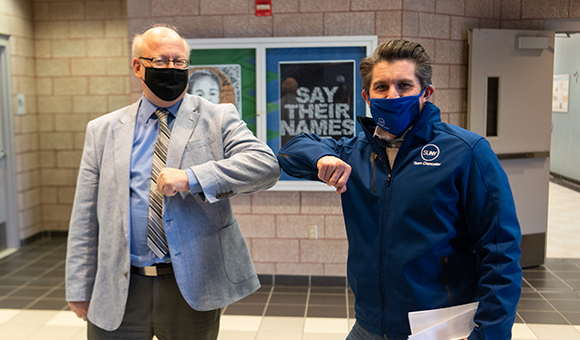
(71, 59)
(276, 223)
(82, 72)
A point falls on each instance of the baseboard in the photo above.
(303, 280)
(43, 235)
(533, 254)
(533, 250)
(565, 181)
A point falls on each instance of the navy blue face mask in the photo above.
(396, 114)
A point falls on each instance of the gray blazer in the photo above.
(210, 257)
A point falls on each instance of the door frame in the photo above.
(525, 162)
(6, 118)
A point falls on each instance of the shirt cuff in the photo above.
(194, 186)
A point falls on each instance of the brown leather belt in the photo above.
(155, 270)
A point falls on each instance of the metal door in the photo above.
(3, 179)
(509, 102)
(9, 237)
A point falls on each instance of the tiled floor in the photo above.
(563, 222)
(32, 295)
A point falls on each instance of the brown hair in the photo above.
(393, 50)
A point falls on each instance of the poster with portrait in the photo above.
(285, 86)
(312, 90)
(316, 97)
(217, 83)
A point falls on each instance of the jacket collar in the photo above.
(428, 116)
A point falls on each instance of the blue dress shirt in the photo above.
(146, 133)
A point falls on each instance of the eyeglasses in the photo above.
(164, 62)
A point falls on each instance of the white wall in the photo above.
(565, 150)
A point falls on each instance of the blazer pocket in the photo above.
(236, 256)
(197, 152)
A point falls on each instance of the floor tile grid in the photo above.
(555, 282)
(32, 256)
(49, 325)
(319, 301)
(262, 306)
(549, 310)
(264, 327)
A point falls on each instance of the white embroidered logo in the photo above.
(429, 153)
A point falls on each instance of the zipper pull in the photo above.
(373, 158)
(445, 267)
(388, 179)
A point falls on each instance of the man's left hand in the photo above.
(171, 181)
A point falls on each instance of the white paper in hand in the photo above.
(443, 324)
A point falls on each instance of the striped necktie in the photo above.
(156, 234)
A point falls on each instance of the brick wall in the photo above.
(82, 70)
(276, 223)
(71, 59)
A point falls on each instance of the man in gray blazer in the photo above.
(153, 247)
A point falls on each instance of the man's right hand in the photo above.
(333, 171)
(80, 308)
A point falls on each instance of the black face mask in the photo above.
(166, 83)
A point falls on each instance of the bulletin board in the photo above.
(560, 93)
(283, 87)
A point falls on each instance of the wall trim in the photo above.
(533, 254)
(45, 234)
(303, 280)
(533, 250)
(565, 181)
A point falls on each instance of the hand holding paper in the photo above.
(443, 324)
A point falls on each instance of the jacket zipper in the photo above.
(384, 232)
(373, 158)
(382, 281)
(445, 266)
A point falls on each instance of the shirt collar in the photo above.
(147, 109)
(381, 134)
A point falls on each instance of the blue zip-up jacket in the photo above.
(439, 229)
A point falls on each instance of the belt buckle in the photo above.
(150, 271)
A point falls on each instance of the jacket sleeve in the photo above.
(495, 233)
(248, 165)
(81, 260)
(299, 156)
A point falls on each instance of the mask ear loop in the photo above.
(423, 91)
(143, 79)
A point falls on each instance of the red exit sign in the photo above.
(263, 8)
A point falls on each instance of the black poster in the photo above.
(317, 98)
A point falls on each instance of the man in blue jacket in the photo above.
(430, 217)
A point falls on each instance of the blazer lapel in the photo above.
(123, 133)
(187, 118)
